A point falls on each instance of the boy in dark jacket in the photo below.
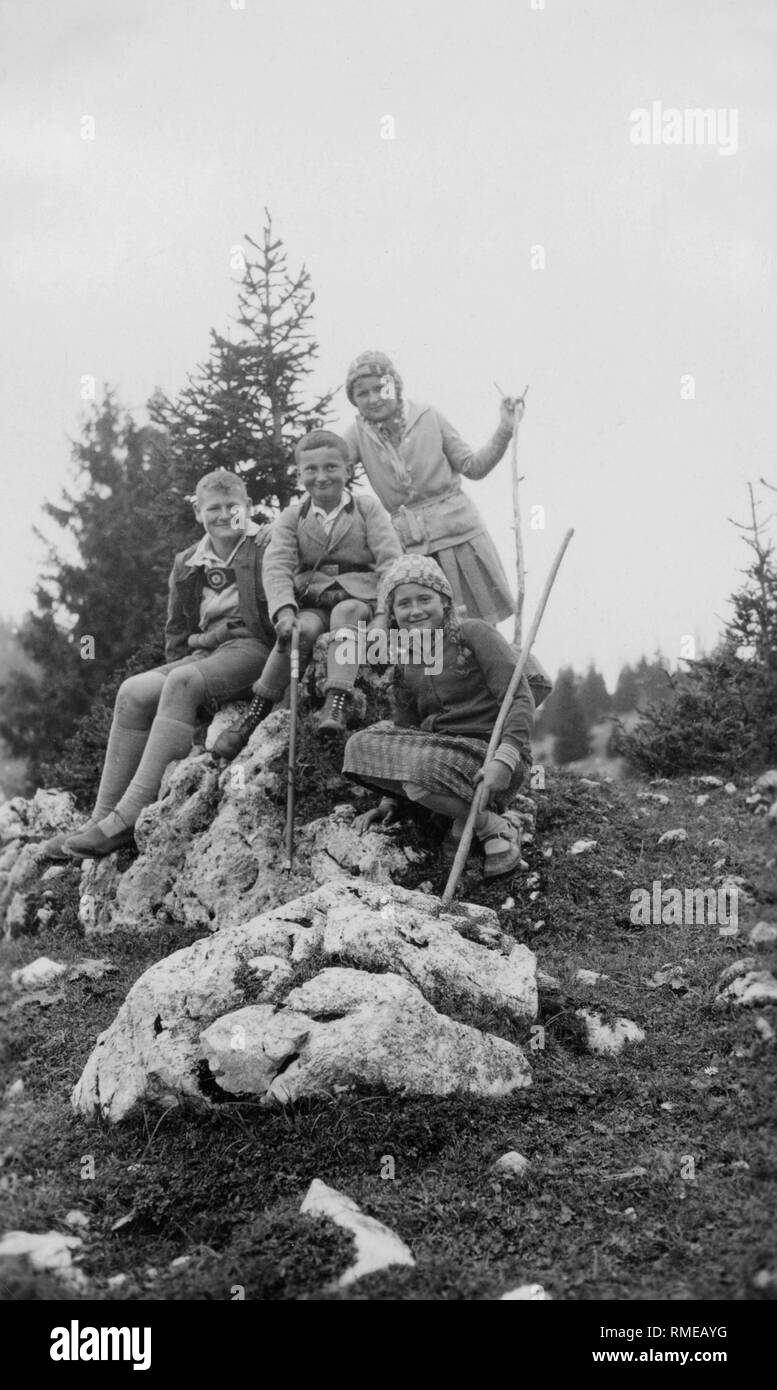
(321, 569)
(217, 640)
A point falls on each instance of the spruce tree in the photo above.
(566, 720)
(243, 408)
(595, 700)
(626, 696)
(721, 714)
(94, 608)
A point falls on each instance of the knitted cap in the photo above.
(413, 569)
(371, 363)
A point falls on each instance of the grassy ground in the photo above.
(693, 1106)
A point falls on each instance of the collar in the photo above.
(308, 505)
(205, 555)
(413, 414)
(326, 518)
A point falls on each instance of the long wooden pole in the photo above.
(466, 839)
(290, 782)
(520, 567)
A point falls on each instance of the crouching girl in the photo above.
(434, 751)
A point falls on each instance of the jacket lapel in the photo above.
(342, 525)
(317, 536)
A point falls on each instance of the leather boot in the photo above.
(234, 740)
(331, 720)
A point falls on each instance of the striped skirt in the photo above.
(386, 756)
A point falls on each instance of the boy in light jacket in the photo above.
(321, 569)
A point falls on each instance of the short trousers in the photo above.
(228, 672)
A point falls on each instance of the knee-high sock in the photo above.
(122, 757)
(168, 739)
(341, 675)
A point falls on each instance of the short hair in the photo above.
(221, 480)
(322, 439)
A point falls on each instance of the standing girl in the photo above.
(414, 460)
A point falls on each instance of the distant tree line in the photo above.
(578, 704)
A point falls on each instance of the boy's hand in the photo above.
(495, 777)
(203, 641)
(284, 622)
(511, 411)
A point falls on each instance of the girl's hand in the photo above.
(511, 411)
(384, 813)
(495, 777)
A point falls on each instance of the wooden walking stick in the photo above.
(519, 563)
(520, 570)
(290, 785)
(466, 839)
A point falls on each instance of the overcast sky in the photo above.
(512, 130)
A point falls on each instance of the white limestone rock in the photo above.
(376, 1246)
(671, 837)
(51, 1252)
(16, 914)
(411, 943)
(747, 988)
(512, 1165)
(333, 849)
(609, 1039)
(527, 1293)
(77, 1220)
(38, 974)
(24, 825)
(344, 1028)
(763, 934)
(590, 977)
(583, 846)
(38, 818)
(212, 848)
(347, 1025)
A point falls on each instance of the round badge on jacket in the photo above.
(217, 577)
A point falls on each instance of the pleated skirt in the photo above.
(474, 571)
